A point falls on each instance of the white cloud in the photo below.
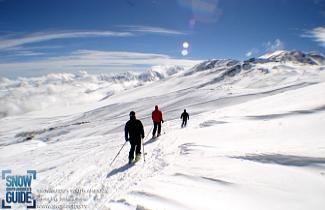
(94, 62)
(7, 43)
(249, 54)
(152, 29)
(11, 41)
(252, 52)
(317, 34)
(26, 53)
(43, 47)
(272, 46)
(19, 52)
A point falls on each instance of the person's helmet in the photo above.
(156, 107)
(132, 113)
(184, 110)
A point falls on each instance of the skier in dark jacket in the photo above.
(185, 117)
(134, 133)
(157, 119)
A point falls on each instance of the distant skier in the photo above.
(134, 133)
(185, 116)
(157, 119)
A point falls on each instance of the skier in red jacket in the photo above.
(157, 120)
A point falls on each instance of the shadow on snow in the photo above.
(287, 160)
(152, 140)
(119, 170)
(292, 113)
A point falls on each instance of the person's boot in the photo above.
(137, 157)
(130, 160)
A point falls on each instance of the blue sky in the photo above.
(103, 36)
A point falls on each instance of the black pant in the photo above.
(184, 123)
(135, 145)
(155, 125)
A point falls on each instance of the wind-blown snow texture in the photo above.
(255, 139)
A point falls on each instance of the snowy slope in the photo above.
(255, 140)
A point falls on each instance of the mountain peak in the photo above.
(294, 56)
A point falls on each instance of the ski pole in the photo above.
(144, 156)
(117, 153)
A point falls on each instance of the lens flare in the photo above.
(184, 52)
(186, 45)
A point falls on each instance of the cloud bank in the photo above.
(64, 90)
(93, 61)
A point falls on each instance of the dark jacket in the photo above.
(133, 130)
(185, 116)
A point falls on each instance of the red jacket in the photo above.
(157, 116)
